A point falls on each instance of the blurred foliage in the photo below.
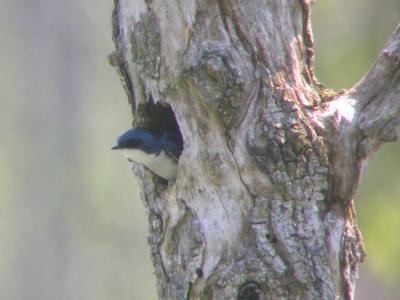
(378, 209)
(71, 224)
(348, 37)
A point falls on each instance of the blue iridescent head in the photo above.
(158, 150)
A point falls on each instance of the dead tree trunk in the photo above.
(262, 205)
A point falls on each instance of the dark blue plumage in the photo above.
(157, 149)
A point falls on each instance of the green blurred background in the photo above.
(71, 224)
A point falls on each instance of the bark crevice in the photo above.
(262, 204)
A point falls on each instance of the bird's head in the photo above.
(145, 139)
(158, 150)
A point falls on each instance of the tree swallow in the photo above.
(156, 149)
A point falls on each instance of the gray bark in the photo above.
(262, 205)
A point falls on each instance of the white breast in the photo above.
(162, 165)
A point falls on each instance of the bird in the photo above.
(156, 149)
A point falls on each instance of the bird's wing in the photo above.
(170, 154)
(173, 146)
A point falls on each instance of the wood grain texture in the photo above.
(262, 204)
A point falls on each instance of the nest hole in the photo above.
(158, 116)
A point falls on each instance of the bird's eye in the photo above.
(135, 143)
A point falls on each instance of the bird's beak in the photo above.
(116, 147)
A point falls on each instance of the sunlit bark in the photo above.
(262, 205)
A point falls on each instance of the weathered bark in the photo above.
(262, 205)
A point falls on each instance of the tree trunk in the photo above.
(262, 205)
